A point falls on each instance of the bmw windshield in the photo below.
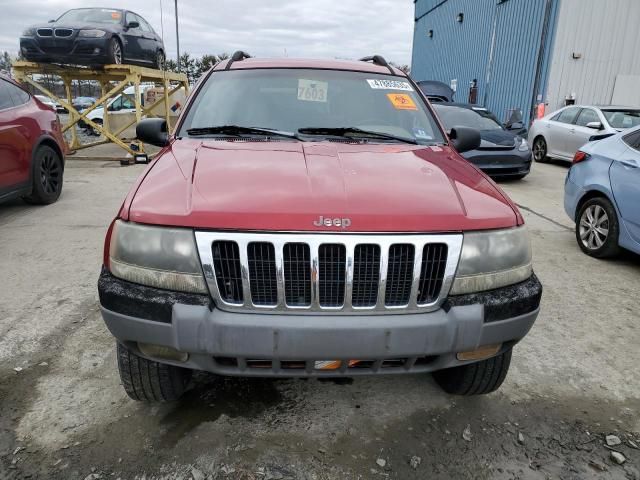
(91, 15)
(311, 105)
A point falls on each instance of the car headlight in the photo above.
(523, 146)
(156, 256)
(94, 33)
(493, 259)
(29, 32)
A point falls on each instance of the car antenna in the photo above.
(237, 57)
(378, 60)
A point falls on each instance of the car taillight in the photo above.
(107, 244)
(580, 156)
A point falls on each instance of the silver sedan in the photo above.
(561, 133)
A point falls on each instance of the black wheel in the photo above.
(47, 176)
(476, 378)
(540, 150)
(159, 60)
(597, 228)
(93, 130)
(148, 381)
(115, 51)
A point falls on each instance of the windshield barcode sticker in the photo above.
(390, 85)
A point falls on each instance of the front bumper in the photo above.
(77, 51)
(250, 344)
(502, 163)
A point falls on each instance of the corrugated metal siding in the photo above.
(423, 6)
(462, 50)
(607, 37)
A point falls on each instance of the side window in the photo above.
(568, 115)
(144, 26)
(5, 97)
(587, 115)
(633, 140)
(130, 17)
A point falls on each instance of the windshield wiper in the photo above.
(354, 132)
(237, 130)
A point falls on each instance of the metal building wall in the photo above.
(511, 29)
(607, 36)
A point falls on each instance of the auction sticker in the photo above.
(390, 85)
(401, 101)
(312, 90)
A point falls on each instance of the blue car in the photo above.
(602, 194)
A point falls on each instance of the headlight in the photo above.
(156, 257)
(493, 259)
(92, 33)
(523, 146)
(29, 32)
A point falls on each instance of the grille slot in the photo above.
(63, 32)
(366, 275)
(434, 263)
(262, 273)
(297, 274)
(226, 263)
(331, 275)
(45, 32)
(399, 275)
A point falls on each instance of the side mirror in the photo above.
(594, 125)
(464, 139)
(51, 21)
(133, 25)
(153, 131)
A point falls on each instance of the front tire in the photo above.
(159, 60)
(46, 182)
(115, 52)
(148, 381)
(597, 228)
(540, 150)
(477, 378)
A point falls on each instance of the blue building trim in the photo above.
(505, 45)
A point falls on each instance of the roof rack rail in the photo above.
(378, 60)
(237, 57)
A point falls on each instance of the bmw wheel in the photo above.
(540, 150)
(597, 228)
(115, 51)
(159, 61)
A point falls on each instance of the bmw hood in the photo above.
(289, 186)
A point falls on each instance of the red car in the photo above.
(31, 147)
(313, 219)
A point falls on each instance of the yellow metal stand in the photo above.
(122, 76)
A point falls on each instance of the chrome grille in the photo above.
(328, 273)
(45, 32)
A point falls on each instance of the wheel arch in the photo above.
(594, 193)
(49, 141)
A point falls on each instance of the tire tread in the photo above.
(477, 378)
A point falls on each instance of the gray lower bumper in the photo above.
(208, 335)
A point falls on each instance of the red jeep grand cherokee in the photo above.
(312, 219)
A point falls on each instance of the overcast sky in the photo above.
(301, 28)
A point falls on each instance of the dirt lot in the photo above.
(63, 413)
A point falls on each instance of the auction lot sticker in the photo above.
(390, 85)
(312, 90)
(402, 101)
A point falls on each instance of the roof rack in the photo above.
(378, 60)
(237, 57)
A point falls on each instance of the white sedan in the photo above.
(561, 133)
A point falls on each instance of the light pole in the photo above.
(177, 36)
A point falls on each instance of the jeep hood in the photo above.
(287, 186)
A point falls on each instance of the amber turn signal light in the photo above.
(481, 353)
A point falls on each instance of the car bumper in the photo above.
(249, 344)
(501, 163)
(572, 195)
(79, 51)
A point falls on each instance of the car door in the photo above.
(133, 38)
(15, 138)
(148, 42)
(625, 184)
(557, 131)
(580, 133)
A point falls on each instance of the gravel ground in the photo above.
(63, 413)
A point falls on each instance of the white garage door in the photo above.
(626, 91)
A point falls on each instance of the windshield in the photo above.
(465, 117)
(622, 118)
(288, 100)
(91, 15)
